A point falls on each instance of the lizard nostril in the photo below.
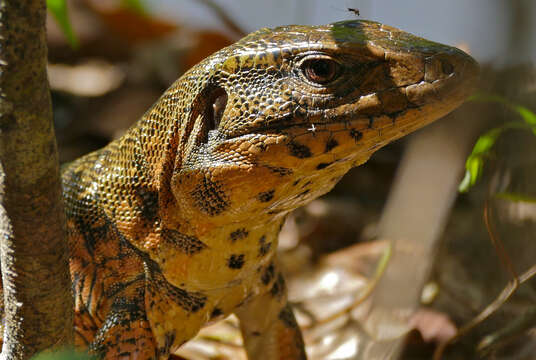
(437, 67)
(447, 67)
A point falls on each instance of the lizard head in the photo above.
(277, 118)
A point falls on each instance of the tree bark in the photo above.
(33, 247)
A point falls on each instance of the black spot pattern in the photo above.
(323, 166)
(268, 274)
(287, 317)
(303, 193)
(266, 196)
(262, 146)
(299, 150)
(278, 287)
(216, 312)
(169, 339)
(331, 144)
(239, 234)
(281, 171)
(187, 244)
(264, 246)
(236, 261)
(149, 203)
(356, 135)
(210, 197)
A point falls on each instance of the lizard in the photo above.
(174, 225)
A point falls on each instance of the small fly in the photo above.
(354, 10)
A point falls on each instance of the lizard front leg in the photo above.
(125, 333)
(269, 328)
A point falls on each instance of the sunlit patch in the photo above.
(329, 281)
(345, 351)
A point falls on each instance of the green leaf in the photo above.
(135, 5)
(473, 171)
(526, 114)
(485, 142)
(474, 164)
(58, 8)
(465, 184)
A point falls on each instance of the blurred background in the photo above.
(395, 261)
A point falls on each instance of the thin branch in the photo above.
(505, 294)
(224, 17)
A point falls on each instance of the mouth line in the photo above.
(309, 127)
(366, 122)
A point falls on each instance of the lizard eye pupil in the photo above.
(320, 71)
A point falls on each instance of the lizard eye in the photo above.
(320, 71)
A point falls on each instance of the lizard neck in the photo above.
(219, 258)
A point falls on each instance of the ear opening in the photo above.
(218, 99)
(206, 111)
(210, 104)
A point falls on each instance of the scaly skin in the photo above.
(175, 224)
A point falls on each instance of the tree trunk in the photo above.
(33, 248)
